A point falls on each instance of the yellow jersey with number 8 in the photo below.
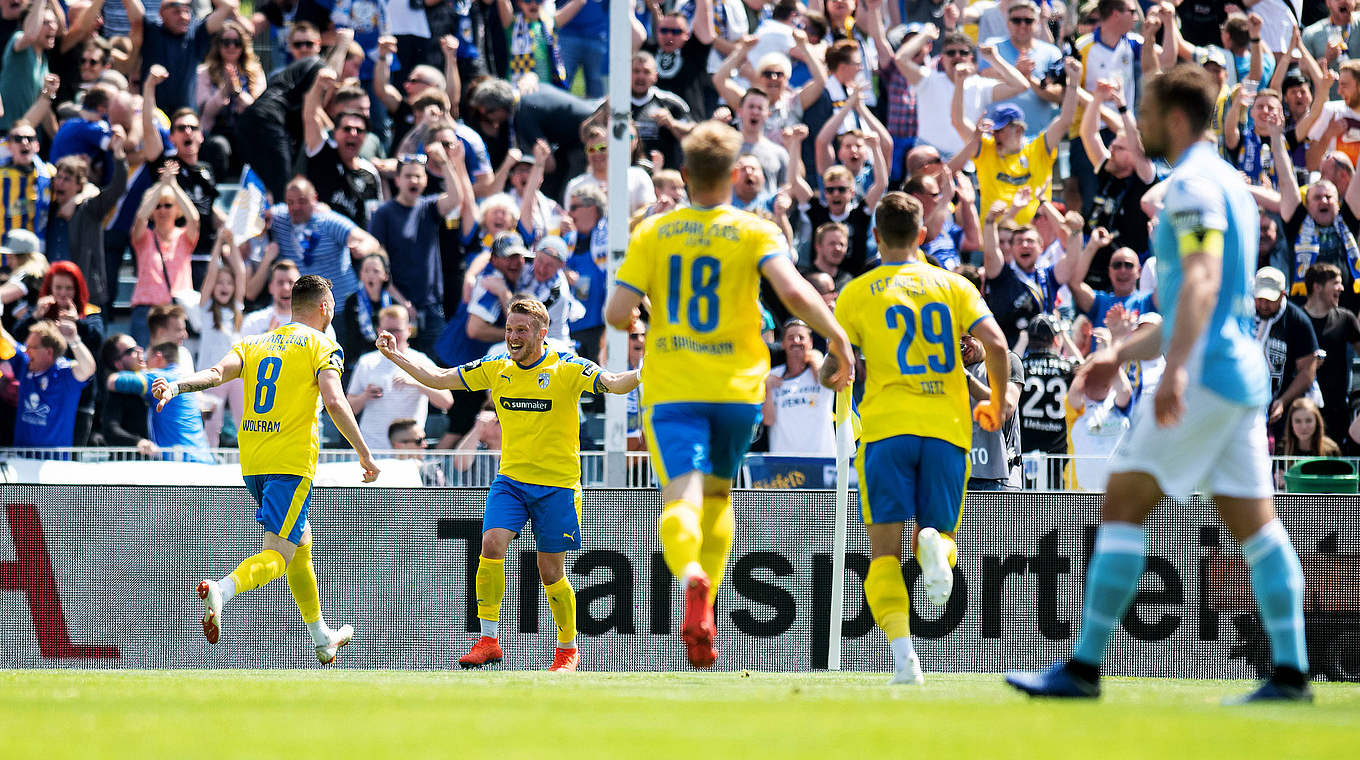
(907, 320)
(701, 269)
(280, 427)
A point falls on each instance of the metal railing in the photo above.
(476, 469)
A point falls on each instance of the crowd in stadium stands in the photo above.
(434, 158)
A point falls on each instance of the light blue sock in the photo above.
(1277, 580)
(1111, 582)
(490, 628)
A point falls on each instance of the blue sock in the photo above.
(1111, 582)
(1277, 580)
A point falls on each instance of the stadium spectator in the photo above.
(88, 134)
(26, 180)
(1305, 434)
(228, 81)
(193, 176)
(75, 228)
(407, 434)
(1048, 376)
(682, 57)
(588, 266)
(640, 191)
(660, 117)
(830, 242)
(483, 438)
(381, 392)
(320, 241)
(179, 425)
(1329, 39)
(344, 181)
(25, 269)
(1286, 337)
(282, 274)
(221, 318)
(24, 66)
(169, 323)
(1337, 331)
(163, 250)
(1110, 52)
(935, 84)
(64, 296)
(1123, 176)
(505, 120)
(798, 409)
(408, 226)
(1097, 418)
(49, 383)
(1124, 273)
(1030, 56)
(995, 455)
(948, 236)
(359, 313)
(122, 418)
(637, 348)
(1017, 288)
(837, 203)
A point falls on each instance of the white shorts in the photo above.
(1218, 447)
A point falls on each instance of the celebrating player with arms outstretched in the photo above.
(907, 317)
(704, 377)
(288, 372)
(536, 394)
(1206, 423)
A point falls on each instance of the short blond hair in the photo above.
(50, 336)
(711, 151)
(532, 308)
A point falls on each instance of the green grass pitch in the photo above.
(768, 716)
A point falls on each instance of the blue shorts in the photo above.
(283, 500)
(556, 512)
(911, 477)
(712, 438)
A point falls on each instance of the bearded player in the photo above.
(1205, 425)
(536, 394)
(289, 373)
(704, 377)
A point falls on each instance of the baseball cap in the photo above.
(1207, 55)
(1270, 284)
(1294, 78)
(554, 246)
(509, 244)
(899, 34)
(19, 240)
(1004, 114)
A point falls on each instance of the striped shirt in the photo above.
(26, 194)
(319, 245)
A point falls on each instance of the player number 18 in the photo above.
(701, 309)
(935, 328)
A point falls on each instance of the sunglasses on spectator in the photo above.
(230, 42)
(1122, 265)
(1092, 20)
(129, 351)
(24, 138)
(637, 336)
(353, 130)
(412, 158)
(1022, 20)
(670, 31)
(91, 61)
(837, 189)
(597, 149)
(186, 127)
(958, 53)
(304, 44)
(772, 74)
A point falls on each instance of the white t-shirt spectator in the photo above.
(1093, 432)
(803, 416)
(401, 399)
(934, 96)
(641, 192)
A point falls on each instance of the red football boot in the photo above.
(487, 651)
(698, 628)
(566, 659)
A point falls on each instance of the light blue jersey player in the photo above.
(1205, 427)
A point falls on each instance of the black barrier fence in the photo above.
(104, 576)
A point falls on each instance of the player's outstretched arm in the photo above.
(333, 396)
(807, 304)
(622, 308)
(994, 411)
(439, 379)
(621, 382)
(224, 371)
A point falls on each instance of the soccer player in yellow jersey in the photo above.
(289, 373)
(907, 317)
(536, 394)
(704, 378)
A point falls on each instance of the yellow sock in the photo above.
(302, 583)
(254, 572)
(886, 593)
(490, 588)
(953, 555)
(681, 535)
(562, 602)
(717, 523)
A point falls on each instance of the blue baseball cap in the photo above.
(1005, 114)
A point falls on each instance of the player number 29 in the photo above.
(701, 308)
(935, 328)
(266, 379)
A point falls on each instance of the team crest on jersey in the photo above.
(543, 378)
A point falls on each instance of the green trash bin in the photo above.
(1322, 475)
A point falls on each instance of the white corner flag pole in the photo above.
(844, 443)
(620, 63)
